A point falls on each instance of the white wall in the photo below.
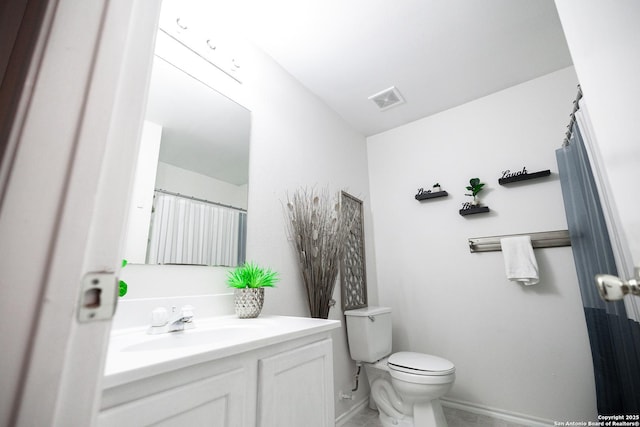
(183, 181)
(520, 349)
(151, 286)
(604, 40)
(298, 141)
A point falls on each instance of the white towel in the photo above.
(519, 261)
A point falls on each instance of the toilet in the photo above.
(405, 386)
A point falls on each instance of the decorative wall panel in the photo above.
(353, 274)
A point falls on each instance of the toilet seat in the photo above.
(420, 364)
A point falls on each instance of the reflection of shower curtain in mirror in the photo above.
(186, 231)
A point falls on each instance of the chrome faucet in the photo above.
(177, 321)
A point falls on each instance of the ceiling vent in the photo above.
(387, 98)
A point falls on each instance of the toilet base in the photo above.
(398, 412)
(429, 414)
(388, 421)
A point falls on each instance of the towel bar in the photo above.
(545, 239)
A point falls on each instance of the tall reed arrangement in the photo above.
(318, 234)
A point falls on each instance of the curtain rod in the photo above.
(171, 193)
(572, 117)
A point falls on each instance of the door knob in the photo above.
(613, 288)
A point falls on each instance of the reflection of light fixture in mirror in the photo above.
(612, 288)
(181, 26)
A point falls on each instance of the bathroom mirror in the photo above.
(190, 188)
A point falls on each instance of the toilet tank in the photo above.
(369, 333)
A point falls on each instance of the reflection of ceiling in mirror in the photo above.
(203, 131)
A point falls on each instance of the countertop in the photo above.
(133, 354)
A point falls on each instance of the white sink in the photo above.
(215, 335)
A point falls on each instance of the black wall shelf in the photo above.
(476, 210)
(425, 195)
(524, 177)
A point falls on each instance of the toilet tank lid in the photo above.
(367, 311)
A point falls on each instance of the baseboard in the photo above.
(500, 414)
(344, 418)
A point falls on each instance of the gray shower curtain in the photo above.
(614, 338)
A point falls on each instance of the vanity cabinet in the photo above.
(296, 387)
(216, 401)
(288, 383)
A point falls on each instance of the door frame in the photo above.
(65, 199)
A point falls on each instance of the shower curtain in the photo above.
(187, 231)
(613, 336)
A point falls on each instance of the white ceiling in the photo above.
(438, 53)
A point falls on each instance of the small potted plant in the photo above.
(122, 285)
(249, 281)
(475, 186)
(436, 188)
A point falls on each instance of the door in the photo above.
(64, 201)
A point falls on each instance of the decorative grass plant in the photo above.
(318, 233)
(250, 275)
(249, 281)
(122, 285)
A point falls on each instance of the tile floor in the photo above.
(455, 418)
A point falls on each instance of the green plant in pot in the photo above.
(122, 285)
(475, 186)
(249, 281)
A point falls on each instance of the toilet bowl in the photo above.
(383, 398)
(421, 380)
(409, 396)
(405, 386)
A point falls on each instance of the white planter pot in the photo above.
(248, 302)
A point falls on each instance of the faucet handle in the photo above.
(159, 316)
(187, 310)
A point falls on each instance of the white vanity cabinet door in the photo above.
(295, 388)
(216, 401)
